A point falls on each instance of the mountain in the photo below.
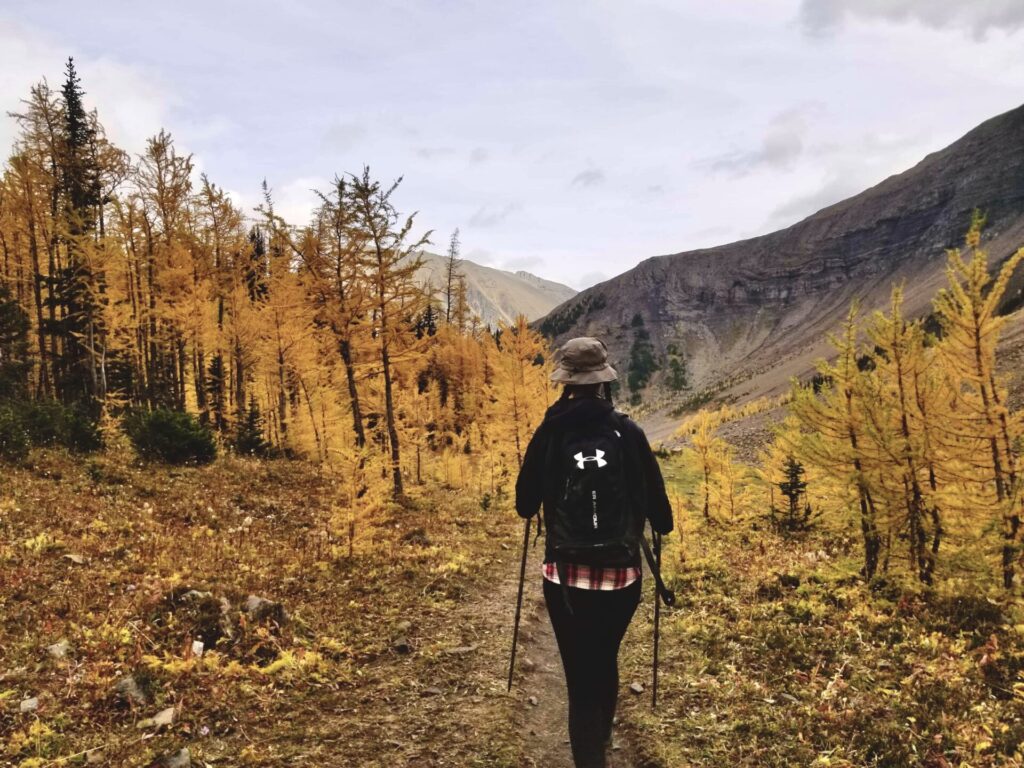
(747, 316)
(495, 294)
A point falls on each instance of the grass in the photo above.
(117, 558)
(779, 655)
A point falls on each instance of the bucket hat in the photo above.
(583, 360)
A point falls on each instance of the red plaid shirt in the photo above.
(585, 577)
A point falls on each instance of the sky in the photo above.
(570, 138)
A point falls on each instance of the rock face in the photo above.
(738, 311)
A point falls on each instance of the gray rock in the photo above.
(59, 649)
(403, 627)
(180, 759)
(534, 701)
(636, 687)
(261, 609)
(461, 650)
(29, 705)
(401, 645)
(161, 718)
(75, 558)
(127, 688)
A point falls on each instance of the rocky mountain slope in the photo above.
(748, 315)
(495, 294)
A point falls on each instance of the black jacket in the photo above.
(646, 482)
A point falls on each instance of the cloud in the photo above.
(428, 153)
(782, 145)
(976, 17)
(486, 216)
(590, 278)
(296, 199)
(591, 177)
(525, 263)
(478, 155)
(836, 188)
(479, 256)
(342, 137)
(133, 102)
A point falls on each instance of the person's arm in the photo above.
(659, 510)
(530, 483)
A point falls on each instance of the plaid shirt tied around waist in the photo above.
(586, 577)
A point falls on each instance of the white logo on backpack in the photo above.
(581, 460)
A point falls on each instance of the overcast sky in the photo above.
(572, 139)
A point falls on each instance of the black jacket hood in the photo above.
(577, 410)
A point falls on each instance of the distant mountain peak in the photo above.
(496, 294)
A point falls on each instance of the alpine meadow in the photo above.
(258, 475)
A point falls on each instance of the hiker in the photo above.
(598, 480)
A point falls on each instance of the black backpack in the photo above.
(593, 520)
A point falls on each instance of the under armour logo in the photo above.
(581, 460)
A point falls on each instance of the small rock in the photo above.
(259, 609)
(180, 759)
(30, 705)
(529, 664)
(59, 649)
(403, 627)
(431, 691)
(161, 718)
(127, 688)
(461, 650)
(402, 645)
(75, 558)
(94, 757)
(636, 687)
(534, 701)
(197, 647)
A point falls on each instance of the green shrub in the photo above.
(51, 423)
(13, 440)
(171, 436)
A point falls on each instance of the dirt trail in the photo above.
(539, 675)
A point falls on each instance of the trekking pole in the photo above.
(657, 619)
(519, 601)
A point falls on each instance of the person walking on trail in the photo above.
(593, 471)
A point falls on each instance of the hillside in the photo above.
(496, 294)
(749, 315)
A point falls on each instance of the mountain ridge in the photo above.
(762, 305)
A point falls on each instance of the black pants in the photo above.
(588, 641)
